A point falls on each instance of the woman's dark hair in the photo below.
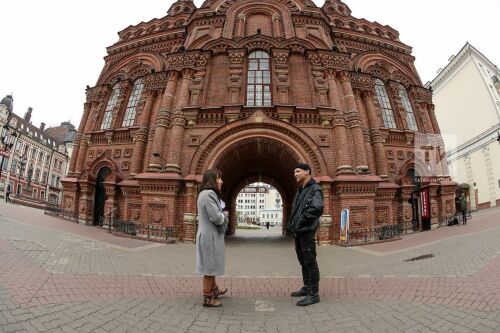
(209, 181)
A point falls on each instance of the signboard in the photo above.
(344, 225)
(424, 203)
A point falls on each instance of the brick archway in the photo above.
(258, 125)
(257, 159)
(257, 148)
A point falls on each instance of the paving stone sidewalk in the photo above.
(57, 276)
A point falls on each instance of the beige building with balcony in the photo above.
(466, 94)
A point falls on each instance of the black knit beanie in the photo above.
(303, 166)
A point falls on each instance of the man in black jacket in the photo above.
(304, 221)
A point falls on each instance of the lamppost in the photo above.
(22, 163)
(6, 142)
(8, 134)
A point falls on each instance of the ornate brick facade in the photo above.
(252, 87)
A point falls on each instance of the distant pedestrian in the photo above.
(7, 193)
(267, 225)
(307, 208)
(463, 207)
(213, 223)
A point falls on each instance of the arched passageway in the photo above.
(100, 195)
(257, 159)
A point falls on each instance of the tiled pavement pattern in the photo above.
(57, 276)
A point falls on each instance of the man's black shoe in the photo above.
(302, 292)
(309, 300)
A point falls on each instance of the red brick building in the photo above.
(252, 87)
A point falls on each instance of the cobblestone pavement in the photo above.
(58, 276)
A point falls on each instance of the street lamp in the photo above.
(162, 161)
(22, 163)
(6, 141)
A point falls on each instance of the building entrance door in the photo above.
(100, 196)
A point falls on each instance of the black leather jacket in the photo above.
(306, 209)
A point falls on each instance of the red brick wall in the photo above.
(209, 132)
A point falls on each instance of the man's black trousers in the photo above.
(305, 247)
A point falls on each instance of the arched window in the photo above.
(385, 104)
(410, 116)
(129, 118)
(259, 80)
(106, 120)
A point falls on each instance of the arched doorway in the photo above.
(411, 177)
(257, 159)
(100, 195)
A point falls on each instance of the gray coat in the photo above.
(212, 225)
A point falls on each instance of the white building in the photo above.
(466, 94)
(36, 162)
(256, 202)
(272, 215)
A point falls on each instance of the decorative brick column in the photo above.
(324, 234)
(163, 120)
(282, 82)
(142, 135)
(276, 25)
(94, 96)
(433, 203)
(178, 125)
(235, 80)
(78, 138)
(333, 92)
(190, 224)
(375, 136)
(366, 133)
(344, 165)
(240, 30)
(86, 203)
(70, 195)
(354, 123)
(432, 116)
(406, 207)
(111, 207)
(424, 116)
(319, 81)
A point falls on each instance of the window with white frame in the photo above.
(385, 104)
(133, 100)
(258, 80)
(106, 120)
(410, 115)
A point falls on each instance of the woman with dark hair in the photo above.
(212, 227)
